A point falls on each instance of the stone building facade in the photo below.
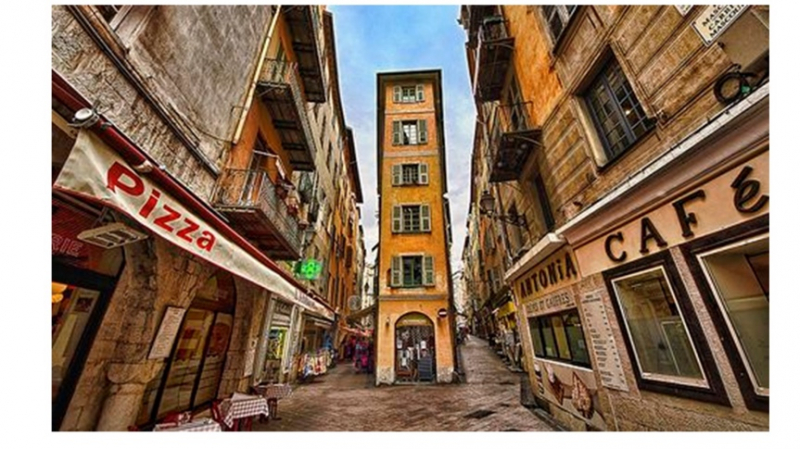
(171, 268)
(618, 141)
(415, 320)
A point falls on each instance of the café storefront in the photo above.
(674, 289)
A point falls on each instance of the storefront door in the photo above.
(415, 350)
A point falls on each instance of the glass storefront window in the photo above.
(739, 276)
(559, 336)
(661, 343)
(71, 309)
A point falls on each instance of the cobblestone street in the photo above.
(344, 400)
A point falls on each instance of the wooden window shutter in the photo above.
(397, 219)
(420, 92)
(398, 94)
(422, 126)
(396, 132)
(423, 174)
(397, 272)
(397, 175)
(429, 279)
(425, 217)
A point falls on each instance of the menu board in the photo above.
(604, 345)
(162, 345)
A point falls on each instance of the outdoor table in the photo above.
(272, 393)
(242, 406)
(202, 425)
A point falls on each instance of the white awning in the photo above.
(96, 171)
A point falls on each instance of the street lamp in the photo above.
(487, 209)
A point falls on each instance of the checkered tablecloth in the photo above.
(243, 408)
(204, 425)
(275, 391)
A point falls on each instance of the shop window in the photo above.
(731, 270)
(740, 279)
(560, 337)
(616, 112)
(662, 346)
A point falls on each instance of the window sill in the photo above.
(632, 148)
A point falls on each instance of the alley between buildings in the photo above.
(344, 400)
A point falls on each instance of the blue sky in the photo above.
(372, 39)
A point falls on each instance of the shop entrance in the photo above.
(191, 377)
(415, 349)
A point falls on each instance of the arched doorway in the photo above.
(415, 349)
(191, 377)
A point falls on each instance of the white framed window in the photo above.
(409, 132)
(409, 94)
(656, 329)
(738, 275)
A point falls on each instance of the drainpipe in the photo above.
(251, 90)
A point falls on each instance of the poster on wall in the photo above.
(162, 344)
(250, 357)
(604, 344)
(574, 390)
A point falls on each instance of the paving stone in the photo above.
(344, 400)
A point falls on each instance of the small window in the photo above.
(660, 340)
(558, 17)
(409, 94)
(411, 218)
(615, 111)
(559, 336)
(409, 132)
(410, 173)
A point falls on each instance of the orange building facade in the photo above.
(414, 330)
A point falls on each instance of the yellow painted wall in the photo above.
(428, 300)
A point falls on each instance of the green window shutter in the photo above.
(397, 219)
(396, 132)
(429, 279)
(423, 174)
(397, 94)
(397, 271)
(422, 126)
(425, 217)
(420, 93)
(397, 178)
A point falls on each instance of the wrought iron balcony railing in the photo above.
(252, 190)
(513, 139)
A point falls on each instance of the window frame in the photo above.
(401, 276)
(541, 324)
(748, 231)
(601, 77)
(423, 218)
(565, 18)
(714, 392)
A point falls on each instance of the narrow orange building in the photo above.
(414, 330)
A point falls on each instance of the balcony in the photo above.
(513, 141)
(251, 202)
(471, 18)
(305, 26)
(279, 90)
(492, 59)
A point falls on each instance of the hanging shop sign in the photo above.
(308, 269)
(604, 346)
(167, 331)
(94, 170)
(734, 197)
(554, 273)
(715, 19)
